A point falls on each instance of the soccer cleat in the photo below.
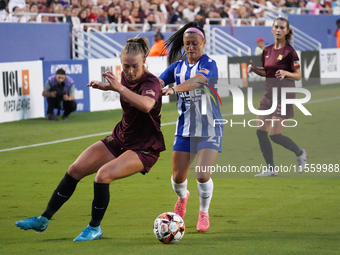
(38, 224)
(302, 161)
(203, 222)
(267, 173)
(181, 206)
(89, 233)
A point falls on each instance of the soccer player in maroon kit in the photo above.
(133, 147)
(281, 67)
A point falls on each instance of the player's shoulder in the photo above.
(147, 76)
(290, 50)
(289, 47)
(206, 58)
(176, 63)
(268, 48)
(206, 61)
(207, 66)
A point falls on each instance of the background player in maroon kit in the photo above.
(281, 67)
(133, 147)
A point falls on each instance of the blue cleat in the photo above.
(89, 233)
(38, 224)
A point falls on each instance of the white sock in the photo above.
(205, 192)
(180, 188)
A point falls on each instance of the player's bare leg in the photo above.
(125, 165)
(87, 163)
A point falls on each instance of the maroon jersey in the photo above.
(273, 60)
(138, 130)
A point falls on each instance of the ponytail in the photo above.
(175, 42)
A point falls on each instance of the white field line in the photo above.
(106, 133)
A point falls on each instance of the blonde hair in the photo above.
(137, 45)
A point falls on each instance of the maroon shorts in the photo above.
(148, 158)
(266, 104)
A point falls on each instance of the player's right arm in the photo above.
(168, 76)
(188, 85)
(258, 70)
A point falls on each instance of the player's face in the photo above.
(193, 46)
(280, 30)
(133, 66)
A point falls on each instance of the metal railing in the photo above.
(114, 27)
(299, 10)
(93, 44)
(303, 42)
(236, 22)
(88, 25)
(40, 15)
(223, 43)
(269, 17)
(167, 27)
(300, 40)
(220, 42)
(125, 27)
(10, 15)
(273, 9)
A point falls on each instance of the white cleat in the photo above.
(267, 173)
(302, 161)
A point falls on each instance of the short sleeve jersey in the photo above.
(197, 109)
(284, 58)
(138, 130)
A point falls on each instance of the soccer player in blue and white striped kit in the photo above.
(195, 134)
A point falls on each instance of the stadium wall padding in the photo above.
(29, 41)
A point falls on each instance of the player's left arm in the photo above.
(295, 74)
(141, 102)
(190, 84)
(207, 70)
(148, 96)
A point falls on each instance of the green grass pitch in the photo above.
(289, 214)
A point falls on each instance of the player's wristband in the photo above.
(173, 90)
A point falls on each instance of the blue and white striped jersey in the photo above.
(197, 109)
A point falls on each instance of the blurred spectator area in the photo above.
(134, 14)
